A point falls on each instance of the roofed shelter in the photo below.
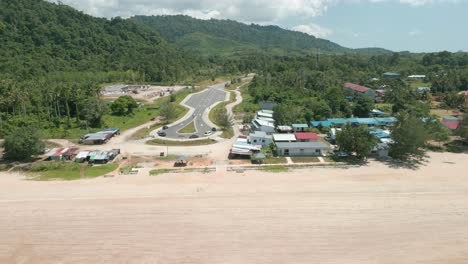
(359, 89)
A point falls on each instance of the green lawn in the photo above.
(275, 160)
(68, 171)
(160, 171)
(274, 168)
(304, 159)
(188, 129)
(416, 84)
(140, 116)
(162, 142)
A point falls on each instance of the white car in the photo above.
(207, 133)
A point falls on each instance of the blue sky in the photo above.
(432, 27)
(414, 25)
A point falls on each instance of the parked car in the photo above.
(165, 127)
(207, 133)
(213, 129)
(161, 133)
(193, 136)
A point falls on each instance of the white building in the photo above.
(311, 148)
(263, 125)
(284, 137)
(260, 138)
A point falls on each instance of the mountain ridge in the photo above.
(178, 29)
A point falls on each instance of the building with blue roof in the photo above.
(324, 123)
(338, 121)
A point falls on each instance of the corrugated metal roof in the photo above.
(300, 125)
(306, 136)
(284, 137)
(356, 87)
(303, 145)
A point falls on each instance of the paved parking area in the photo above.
(200, 102)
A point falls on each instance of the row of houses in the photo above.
(100, 137)
(369, 121)
(289, 144)
(57, 154)
(97, 156)
(73, 153)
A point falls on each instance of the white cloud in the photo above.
(414, 33)
(258, 11)
(314, 30)
(426, 2)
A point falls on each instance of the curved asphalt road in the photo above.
(200, 102)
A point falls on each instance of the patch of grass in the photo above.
(304, 159)
(140, 116)
(162, 142)
(68, 171)
(228, 133)
(274, 168)
(275, 160)
(416, 84)
(5, 167)
(442, 112)
(247, 105)
(168, 157)
(160, 171)
(188, 129)
(144, 132)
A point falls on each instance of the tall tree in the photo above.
(23, 143)
(410, 137)
(356, 140)
(363, 106)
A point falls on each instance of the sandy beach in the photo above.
(372, 214)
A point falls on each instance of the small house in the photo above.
(312, 148)
(284, 129)
(260, 138)
(284, 137)
(263, 125)
(94, 139)
(82, 156)
(391, 75)
(357, 89)
(300, 127)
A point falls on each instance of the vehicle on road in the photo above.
(193, 136)
(213, 129)
(165, 127)
(207, 133)
(161, 133)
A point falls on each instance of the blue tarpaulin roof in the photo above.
(337, 121)
(321, 123)
(386, 120)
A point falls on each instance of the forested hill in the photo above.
(226, 37)
(38, 37)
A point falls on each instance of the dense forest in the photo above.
(227, 37)
(310, 88)
(53, 59)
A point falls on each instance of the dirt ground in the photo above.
(373, 214)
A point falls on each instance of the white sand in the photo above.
(373, 214)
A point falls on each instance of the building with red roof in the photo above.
(359, 89)
(306, 136)
(452, 125)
